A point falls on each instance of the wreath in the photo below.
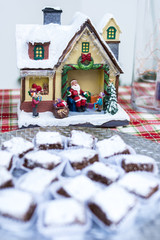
(85, 63)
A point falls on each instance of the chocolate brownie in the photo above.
(137, 162)
(41, 159)
(6, 159)
(37, 180)
(6, 179)
(80, 158)
(99, 172)
(18, 146)
(80, 188)
(112, 146)
(81, 139)
(49, 140)
(143, 185)
(112, 205)
(16, 204)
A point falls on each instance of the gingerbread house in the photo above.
(50, 55)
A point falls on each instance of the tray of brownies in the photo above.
(78, 183)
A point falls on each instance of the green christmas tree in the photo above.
(110, 100)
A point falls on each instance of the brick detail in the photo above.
(31, 49)
(42, 106)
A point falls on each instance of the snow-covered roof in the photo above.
(59, 37)
(105, 19)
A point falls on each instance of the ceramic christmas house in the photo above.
(51, 56)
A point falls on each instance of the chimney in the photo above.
(52, 15)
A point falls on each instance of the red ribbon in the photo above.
(86, 57)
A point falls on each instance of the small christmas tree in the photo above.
(110, 100)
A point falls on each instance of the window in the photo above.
(85, 47)
(38, 52)
(111, 33)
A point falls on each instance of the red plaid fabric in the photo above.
(146, 125)
(141, 124)
(8, 109)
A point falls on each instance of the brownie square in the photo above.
(112, 205)
(101, 173)
(16, 204)
(49, 140)
(6, 159)
(81, 139)
(80, 188)
(80, 158)
(41, 159)
(37, 180)
(137, 162)
(143, 185)
(112, 146)
(74, 212)
(5, 178)
(17, 146)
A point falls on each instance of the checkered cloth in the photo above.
(141, 124)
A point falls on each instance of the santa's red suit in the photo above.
(77, 95)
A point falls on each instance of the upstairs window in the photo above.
(38, 52)
(111, 33)
(85, 47)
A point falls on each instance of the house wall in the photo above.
(104, 34)
(31, 49)
(98, 55)
(29, 80)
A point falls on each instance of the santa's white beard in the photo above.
(76, 88)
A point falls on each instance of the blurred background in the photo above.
(14, 12)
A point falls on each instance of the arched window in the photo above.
(111, 33)
(38, 52)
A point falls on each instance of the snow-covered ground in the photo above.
(89, 117)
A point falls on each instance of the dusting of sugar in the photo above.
(14, 202)
(17, 145)
(37, 180)
(78, 155)
(48, 138)
(115, 202)
(81, 188)
(103, 170)
(81, 138)
(5, 158)
(138, 183)
(64, 212)
(138, 158)
(111, 146)
(43, 157)
(5, 176)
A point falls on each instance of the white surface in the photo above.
(17, 12)
(47, 118)
(48, 138)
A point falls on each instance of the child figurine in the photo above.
(36, 98)
(99, 104)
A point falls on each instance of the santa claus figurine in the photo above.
(76, 93)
